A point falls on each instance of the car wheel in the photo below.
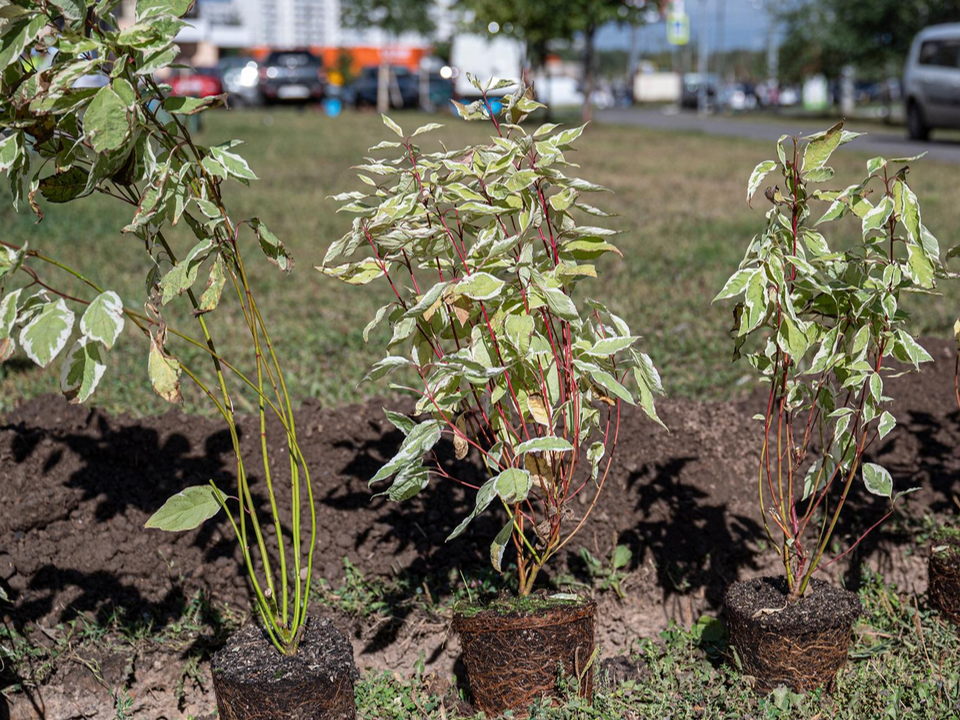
(917, 128)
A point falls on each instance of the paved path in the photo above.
(881, 141)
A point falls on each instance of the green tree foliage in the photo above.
(822, 36)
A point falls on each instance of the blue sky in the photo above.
(745, 25)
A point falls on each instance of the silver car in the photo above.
(931, 81)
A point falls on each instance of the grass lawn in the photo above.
(680, 198)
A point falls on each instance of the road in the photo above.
(890, 142)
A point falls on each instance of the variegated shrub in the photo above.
(485, 248)
(820, 321)
(118, 133)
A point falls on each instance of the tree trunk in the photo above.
(589, 78)
(383, 84)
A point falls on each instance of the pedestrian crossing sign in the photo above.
(678, 28)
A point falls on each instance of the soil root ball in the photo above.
(253, 681)
(514, 658)
(802, 645)
(944, 578)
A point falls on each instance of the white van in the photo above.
(931, 81)
(488, 58)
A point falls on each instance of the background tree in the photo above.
(823, 36)
(393, 17)
(538, 22)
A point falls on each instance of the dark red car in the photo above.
(202, 82)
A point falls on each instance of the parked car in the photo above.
(738, 97)
(292, 75)
(931, 81)
(201, 82)
(691, 90)
(240, 78)
(362, 92)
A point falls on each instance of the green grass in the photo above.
(680, 198)
(904, 663)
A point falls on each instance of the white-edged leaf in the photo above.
(499, 545)
(757, 176)
(877, 480)
(103, 318)
(82, 369)
(541, 444)
(480, 286)
(46, 334)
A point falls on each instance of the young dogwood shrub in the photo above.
(820, 323)
(124, 137)
(483, 248)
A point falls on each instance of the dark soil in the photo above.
(801, 644)
(77, 485)
(764, 601)
(944, 576)
(255, 682)
(512, 658)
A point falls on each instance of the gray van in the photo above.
(931, 81)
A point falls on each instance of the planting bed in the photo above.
(76, 486)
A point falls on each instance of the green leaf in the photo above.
(609, 382)
(407, 484)
(795, 341)
(11, 148)
(392, 125)
(563, 199)
(595, 454)
(400, 421)
(757, 176)
(513, 485)
(919, 268)
(820, 147)
(107, 121)
(541, 444)
(519, 330)
(480, 286)
(235, 165)
(611, 346)
(82, 369)
(499, 545)
(156, 8)
(420, 440)
(877, 480)
(8, 316)
(17, 35)
(188, 509)
(737, 283)
(359, 273)
(382, 367)
(875, 165)
(46, 334)
(560, 304)
(909, 209)
(887, 423)
(164, 372)
(485, 495)
(877, 217)
(907, 349)
(103, 319)
(275, 250)
(214, 289)
(192, 106)
(64, 186)
(429, 127)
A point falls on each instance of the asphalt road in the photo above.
(878, 140)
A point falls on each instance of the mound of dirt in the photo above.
(77, 485)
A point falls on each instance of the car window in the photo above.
(292, 59)
(942, 53)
